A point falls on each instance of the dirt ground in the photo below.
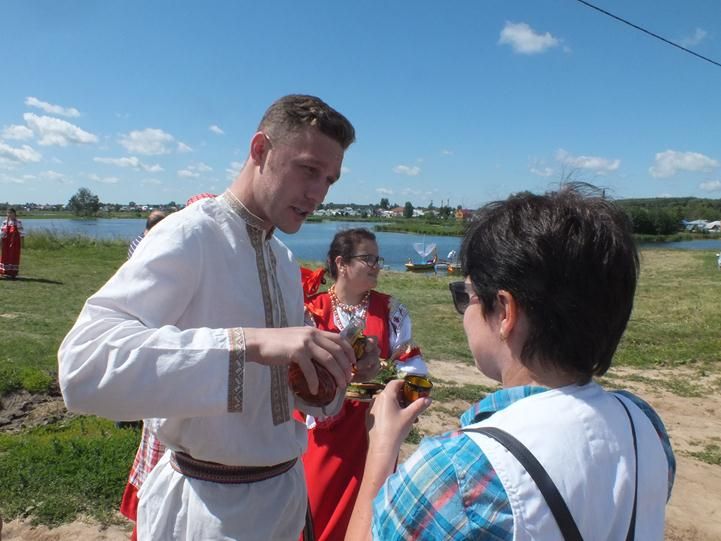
(693, 513)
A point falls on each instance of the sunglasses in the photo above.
(460, 296)
(369, 259)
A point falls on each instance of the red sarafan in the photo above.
(326, 385)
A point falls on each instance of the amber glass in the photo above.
(415, 387)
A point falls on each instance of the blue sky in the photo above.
(461, 100)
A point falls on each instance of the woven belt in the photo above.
(221, 473)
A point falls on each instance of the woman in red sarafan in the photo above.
(11, 233)
(337, 445)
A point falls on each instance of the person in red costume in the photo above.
(11, 233)
(335, 459)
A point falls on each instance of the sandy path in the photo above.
(693, 514)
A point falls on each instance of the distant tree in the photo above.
(131, 204)
(384, 204)
(172, 204)
(84, 203)
(430, 205)
(444, 212)
(408, 210)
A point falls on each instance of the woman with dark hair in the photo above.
(11, 233)
(337, 445)
(548, 291)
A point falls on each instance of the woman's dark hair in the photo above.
(344, 244)
(570, 261)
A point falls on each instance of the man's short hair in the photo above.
(570, 261)
(295, 112)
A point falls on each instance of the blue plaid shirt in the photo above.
(448, 489)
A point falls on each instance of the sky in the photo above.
(457, 101)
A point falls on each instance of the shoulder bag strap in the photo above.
(632, 527)
(545, 484)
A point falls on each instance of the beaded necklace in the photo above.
(351, 310)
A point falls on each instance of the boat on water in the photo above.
(425, 264)
(420, 267)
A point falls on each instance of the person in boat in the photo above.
(548, 291)
(197, 333)
(337, 444)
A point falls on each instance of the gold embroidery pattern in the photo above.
(279, 374)
(242, 211)
(236, 369)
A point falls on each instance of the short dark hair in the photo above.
(296, 112)
(570, 261)
(153, 218)
(344, 244)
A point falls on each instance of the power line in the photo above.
(649, 32)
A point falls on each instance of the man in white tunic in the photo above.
(195, 334)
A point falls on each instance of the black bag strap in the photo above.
(545, 484)
(632, 527)
(539, 475)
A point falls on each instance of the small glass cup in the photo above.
(415, 387)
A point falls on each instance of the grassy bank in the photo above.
(79, 466)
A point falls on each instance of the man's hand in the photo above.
(302, 345)
(367, 367)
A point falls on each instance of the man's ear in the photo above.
(508, 312)
(259, 147)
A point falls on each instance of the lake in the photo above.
(310, 243)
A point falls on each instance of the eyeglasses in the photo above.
(369, 259)
(460, 295)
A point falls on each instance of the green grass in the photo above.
(57, 472)
(57, 274)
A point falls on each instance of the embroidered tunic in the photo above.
(163, 339)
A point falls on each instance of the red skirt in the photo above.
(10, 255)
(129, 507)
(334, 465)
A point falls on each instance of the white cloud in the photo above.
(17, 132)
(234, 169)
(384, 191)
(711, 186)
(52, 109)
(410, 170)
(670, 162)
(54, 176)
(216, 129)
(54, 131)
(446, 152)
(132, 162)
(524, 40)
(23, 154)
(596, 164)
(182, 147)
(194, 170)
(542, 171)
(103, 180)
(150, 181)
(694, 39)
(7, 179)
(150, 141)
